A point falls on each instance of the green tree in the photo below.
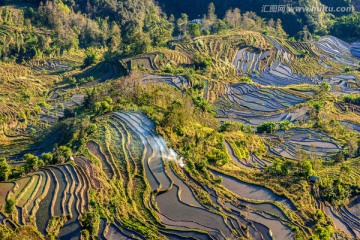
(157, 26)
(65, 153)
(320, 217)
(218, 26)
(61, 154)
(47, 158)
(217, 157)
(306, 169)
(334, 191)
(211, 16)
(182, 24)
(10, 206)
(279, 29)
(352, 98)
(305, 34)
(318, 106)
(324, 233)
(31, 162)
(233, 18)
(4, 169)
(347, 69)
(137, 41)
(103, 106)
(202, 61)
(353, 146)
(91, 57)
(347, 26)
(115, 40)
(285, 168)
(325, 87)
(194, 30)
(85, 234)
(285, 125)
(339, 157)
(90, 222)
(266, 127)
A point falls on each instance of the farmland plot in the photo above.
(355, 49)
(177, 205)
(254, 192)
(279, 74)
(352, 126)
(253, 105)
(344, 83)
(291, 143)
(155, 162)
(344, 221)
(51, 191)
(178, 82)
(338, 50)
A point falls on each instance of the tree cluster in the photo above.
(233, 19)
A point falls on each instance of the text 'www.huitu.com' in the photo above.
(292, 9)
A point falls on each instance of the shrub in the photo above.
(325, 87)
(194, 30)
(217, 157)
(246, 79)
(31, 162)
(68, 113)
(10, 206)
(202, 104)
(62, 154)
(206, 32)
(85, 234)
(91, 57)
(71, 80)
(339, 157)
(347, 69)
(4, 169)
(200, 85)
(334, 191)
(47, 158)
(267, 127)
(202, 61)
(90, 222)
(324, 233)
(285, 125)
(352, 98)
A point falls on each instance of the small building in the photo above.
(197, 21)
(314, 179)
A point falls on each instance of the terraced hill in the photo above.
(58, 193)
(155, 190)
(274, 61)
(278, 95)
(173, 194)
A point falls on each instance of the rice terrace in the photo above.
(142, 119)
